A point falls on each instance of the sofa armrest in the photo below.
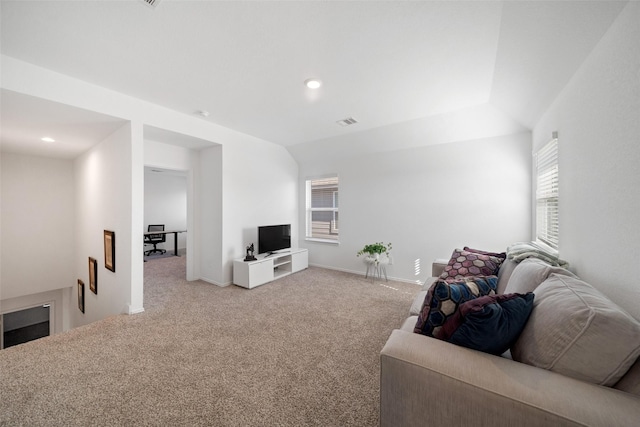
(425, 381)
(437, 266)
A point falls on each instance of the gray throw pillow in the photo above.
(530, 273)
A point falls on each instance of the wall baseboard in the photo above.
(363, 273)
(131, 310)
(213, 282)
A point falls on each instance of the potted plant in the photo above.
(375, 249)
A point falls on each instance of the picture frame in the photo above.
(81, 295)
(110, 250)
(93, 275)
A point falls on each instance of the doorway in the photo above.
(165, 203)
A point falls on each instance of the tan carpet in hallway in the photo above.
(303, 350)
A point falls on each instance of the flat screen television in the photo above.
(273, 238)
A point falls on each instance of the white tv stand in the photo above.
(267, 268)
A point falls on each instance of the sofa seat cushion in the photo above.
(428, 283)
(443, 299)
(578, 332)
(630, 383)
(417, 303)
(409, 323)
(530, 273)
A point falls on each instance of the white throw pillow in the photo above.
(578, 332)
(530, 273)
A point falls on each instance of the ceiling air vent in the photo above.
(346, 122)
(152, 3)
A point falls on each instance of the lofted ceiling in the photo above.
(385, 63)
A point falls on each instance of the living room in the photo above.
(427, 184)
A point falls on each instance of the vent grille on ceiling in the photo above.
(152, 3)
(346, 122)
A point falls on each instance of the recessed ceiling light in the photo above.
(47, 139)
(312, 83)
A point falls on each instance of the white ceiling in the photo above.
(26, 120)
(384, 63)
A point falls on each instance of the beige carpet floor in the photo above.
(300, 351)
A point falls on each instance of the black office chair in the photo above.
(155, 239)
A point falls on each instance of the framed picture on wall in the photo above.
(81, 295)
(93, 275)
(110, 250)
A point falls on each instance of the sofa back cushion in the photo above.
(438, 266)
(504, 275)
(578, 332)
(530, 273)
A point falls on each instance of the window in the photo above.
(547, 218)
(322, 209)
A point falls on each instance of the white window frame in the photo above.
(309, 210)
(335, 205)
(547, 212)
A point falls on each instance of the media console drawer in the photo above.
(265, 269)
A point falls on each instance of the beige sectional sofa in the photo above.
(428, 382)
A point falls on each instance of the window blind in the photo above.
(322, 209)
(547, 195)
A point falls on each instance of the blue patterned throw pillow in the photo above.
(490, 323)
(443, 300)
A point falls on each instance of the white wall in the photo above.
(167, 156)
(427, 201)
(208, 219)
(38, 217)
(597, 117)
(104, 202)
(259, 188)
(165, 202)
